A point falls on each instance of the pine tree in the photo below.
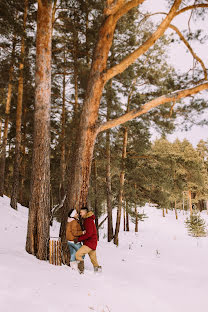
(196, 225)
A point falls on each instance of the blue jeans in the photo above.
(73, 249)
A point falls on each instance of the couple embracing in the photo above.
(76, 236)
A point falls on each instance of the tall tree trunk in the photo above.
(136, 218)
(122, 176)
(39, 207)
(163, 211)
(86, 35)
(190, 201)
(23, 161)
(108, 187)
(63, 135)
(124, 218)
(17, 160)
(75, 69)
(108, 166)
(127, 218)
(0, 129)
(176, 214)
(6, 122)
(96, 194)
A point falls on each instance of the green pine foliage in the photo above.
(196, 226)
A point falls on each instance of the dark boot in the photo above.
(98, 269)
(81, 267)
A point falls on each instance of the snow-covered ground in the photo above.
(159, 269)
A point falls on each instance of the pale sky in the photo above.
(183, 61)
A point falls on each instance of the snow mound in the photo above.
(159, 269)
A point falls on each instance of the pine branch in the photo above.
(195, 56)
(127, 61)
(174, 96)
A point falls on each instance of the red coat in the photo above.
(90, 238)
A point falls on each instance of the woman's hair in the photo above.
(85, 208)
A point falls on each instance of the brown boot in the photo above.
(81, 267)
(98, 269)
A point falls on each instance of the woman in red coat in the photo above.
(89, 240)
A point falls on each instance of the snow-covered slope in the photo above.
(160, 269)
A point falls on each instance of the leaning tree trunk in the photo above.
(78, 183)
(39, 207)
(6, 123)
(17, 160)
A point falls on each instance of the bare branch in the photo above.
(194, 6)
(171, 109)
(119, 68)
(190, 49)
(175, 96)
(101, 223)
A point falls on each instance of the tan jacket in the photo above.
(73, 230)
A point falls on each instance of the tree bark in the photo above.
(17, 160)
(6, 123)
(39, 207)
